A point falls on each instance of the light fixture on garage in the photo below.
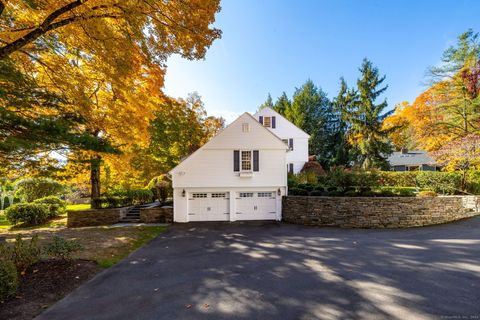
(183, 193)
(279, 192)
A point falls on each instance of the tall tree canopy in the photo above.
(365, 119)
(450, 108)
(106, 59)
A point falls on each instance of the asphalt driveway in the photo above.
(282, 271)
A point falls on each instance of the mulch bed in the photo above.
(45, 283)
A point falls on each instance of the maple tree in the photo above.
(107, 60)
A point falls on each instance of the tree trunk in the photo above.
(95, 182)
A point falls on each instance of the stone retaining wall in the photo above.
(156, 215)
(369, 212)
(95, 217)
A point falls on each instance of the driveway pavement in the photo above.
(282, 271)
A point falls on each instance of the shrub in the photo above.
(319, 188)
(56, 206)
(397, 179)
(298, 192)
(28, 213)
(62, 249)
(440, 182)
(473, 181)
(302, 178)
(306, 186)
(8, 279)
(21, 253)
(427, 194)
(161, 187)
(140, 196)
(350, 193)
(334, 193)
(316, 193)
(30, 189)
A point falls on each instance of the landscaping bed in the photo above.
(43, 284)
(47, 281)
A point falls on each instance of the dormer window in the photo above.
(267, 122)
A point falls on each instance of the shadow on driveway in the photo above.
(282, 271)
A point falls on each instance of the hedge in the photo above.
(28, 213)
(56, 206)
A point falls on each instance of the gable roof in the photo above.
(278, 115)
(277, 142)
(411, 157)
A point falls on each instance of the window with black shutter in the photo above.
(290, 167)
(255, 160)
(236, 160)
(260, 119)
(274, 122)
(290, 143)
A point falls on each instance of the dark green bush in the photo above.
(56, 206)
(316, 193)
(140, 196)
(22, 253)
(30, 189)
(62, 249)
(8, 279)
(306, 186)
(28, 213)
(334, 193)
(350, 193)
(319, 188)
(298, 192)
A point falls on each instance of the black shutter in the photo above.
(273, 123)
(290, 143)
(260, 119)
(290, 167)
(255, 160)
(236, 160)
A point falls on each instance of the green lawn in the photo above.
(4, 224)
(76, 207)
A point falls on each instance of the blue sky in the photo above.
(273, 46)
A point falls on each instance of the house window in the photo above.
(246, 161)
(199, 195)
(245, 127)
(265, 194)
(267, 122)
(246, 194)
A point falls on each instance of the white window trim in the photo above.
(251, 161)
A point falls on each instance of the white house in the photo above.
(294, 137)
(240, 174)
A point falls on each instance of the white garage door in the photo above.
(209, 206)
(256, 205)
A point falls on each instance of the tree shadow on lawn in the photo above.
(279, 271)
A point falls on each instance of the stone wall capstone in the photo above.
(381, 212)
(157, 215)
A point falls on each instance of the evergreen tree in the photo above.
(267, 103)
(366, 118)
(311, 111)
(282, 104)
(342, 105)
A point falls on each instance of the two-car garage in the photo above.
(245, 205)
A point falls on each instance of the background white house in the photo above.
(294, 137)
(240, 174)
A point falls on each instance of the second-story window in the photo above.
(267, 122)
(246, 161)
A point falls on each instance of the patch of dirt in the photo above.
(45, 283)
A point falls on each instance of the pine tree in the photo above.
(282, 104)
(267, 103)
(366, 118)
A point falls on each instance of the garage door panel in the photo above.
(256, 205)
(209, 206)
